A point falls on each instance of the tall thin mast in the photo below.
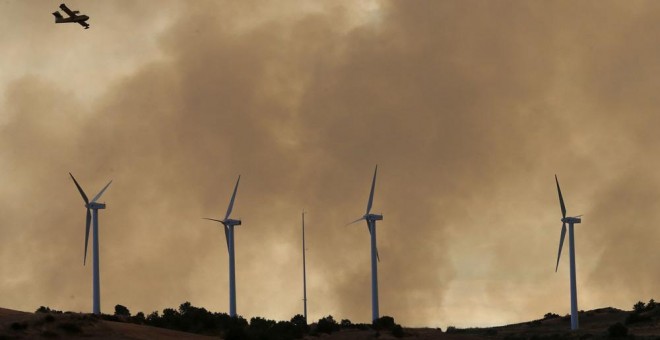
(304, 266)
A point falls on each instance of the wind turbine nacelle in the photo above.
(373, 217)
(573, 220)
(96, 205)
(229, 221)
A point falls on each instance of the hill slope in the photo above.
(15, 324)
(594, 324)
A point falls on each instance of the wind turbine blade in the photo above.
(371, 194)
(358, 220)
(369, 228)
(225, 227)
(233, 196)
(88, 219)
(101, 192)
(227, 237)
(561, 199)
(82, 193)
(561, 243)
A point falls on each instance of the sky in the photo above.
(469, 109)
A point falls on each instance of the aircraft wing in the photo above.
(67, 10)
(83, 24)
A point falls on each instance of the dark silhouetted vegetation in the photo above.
(618, 330)
(640, 312)
(188, 318)
(193, 319)
(397, 331)
(138, 318)
(122, 311)
(386, 323)
(327, 325)
(43, 309)
(346, 324)
(300, 325)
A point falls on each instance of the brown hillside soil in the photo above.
(593, 325)
(22, 325)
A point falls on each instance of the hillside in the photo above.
(641, 323)
(21, 325)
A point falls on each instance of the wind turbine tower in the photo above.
(571, 244)
(93, 214)
(229, 225)
(304, 266)
(375, 258)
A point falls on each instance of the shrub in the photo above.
(300, 325)
(397, 331)
(138, 318)
(618, 330)
(260, 324)
(346, 323)
(638, 307)
(122, 311)
(43, 309)
(550, 316)
(327, 325)
(384, 322)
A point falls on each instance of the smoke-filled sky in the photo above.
(469, 108)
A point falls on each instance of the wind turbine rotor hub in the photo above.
(573, 220)
(231, 222)
(373, 217)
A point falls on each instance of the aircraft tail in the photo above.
(58, 16)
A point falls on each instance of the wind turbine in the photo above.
(571, 243)
(229, 224)
(371, 226)
(304, 266)
(93, 214)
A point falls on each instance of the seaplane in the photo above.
(73, 17)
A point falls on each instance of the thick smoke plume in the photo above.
(468, 107)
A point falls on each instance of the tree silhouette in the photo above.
(122, 311)
(327, 325)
